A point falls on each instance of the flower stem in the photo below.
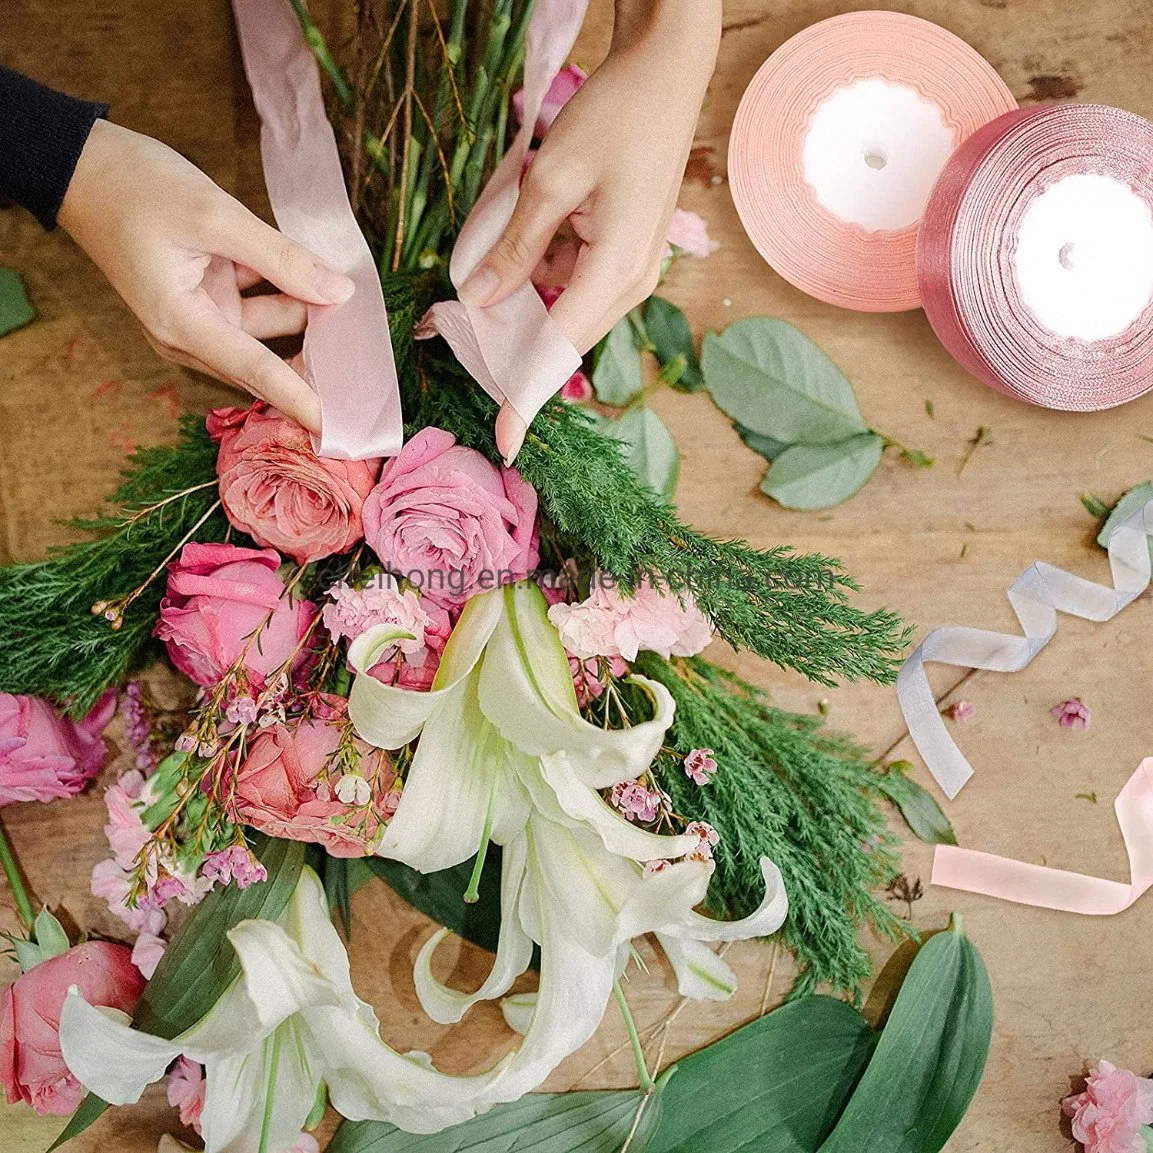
(634, 1038)
(16, 883)
(270, 1093)
(472, 893)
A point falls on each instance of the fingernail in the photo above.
(479, 287)
(514, 446)
(333, 285)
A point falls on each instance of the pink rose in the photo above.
(690, 233)
(284, 788)
(44, 755)
(450, 521)
(218, 596)
(276, 489)
(1108, 1115)
(578, 388)
(31, 1066)
(564, 85)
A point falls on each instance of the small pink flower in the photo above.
(654, 867)
(560, 91)
(1108, 1115)
(700, 766)
(636, 802)
(186, 1088)
(1071, 714)
(578, 388)
(235, 863)
(588, 679)
(146, 953)
(241, 711)
(962, 710)
(709, 839)
(689, 233)
(306, 1143)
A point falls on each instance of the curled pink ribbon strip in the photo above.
(1037, 595)
(347, 350)
(514, 350)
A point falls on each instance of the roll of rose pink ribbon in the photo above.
(838, 141)
(1035, 256)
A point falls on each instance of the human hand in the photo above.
(181, 251)
(611, 165)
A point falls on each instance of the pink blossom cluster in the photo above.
(1108, 1116)
(637, 801)
(590, 676)
(236, 863)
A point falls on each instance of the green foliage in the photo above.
(15, 308)
(617, 376)
(921, 812)
(809, 476)
(51, 644)
(671, 338)
(789, 790)
(1133, 501)
(649, 448)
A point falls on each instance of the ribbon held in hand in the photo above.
(514, 350)
(1037, 595)
(347, 349)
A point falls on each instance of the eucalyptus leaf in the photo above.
(921, 812)
(617, 376)
(592, 1122)
(772, 379)
(930, 1058)
(650, 449)
(15, 308)
(769, 448)
(1133, 501)
(672, 338)
(819, 476)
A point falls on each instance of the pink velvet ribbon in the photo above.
(1037, 596)
(514, 350)
(347, 350)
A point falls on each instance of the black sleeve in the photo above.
(42, 133)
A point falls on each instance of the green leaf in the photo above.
(15, 308)
(671, 337)
(930, 1057)
(774, 380)
(1130, 503)
(920, 810)
(91, 1109)
(617, 376)
(441, 896)
(775, 1086)
(650, 449)
(201, 963)
(819, 476)
(592, 1122)
(769, 448)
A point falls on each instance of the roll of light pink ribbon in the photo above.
(838, 141)
(1035, 256)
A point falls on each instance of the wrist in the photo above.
(687, 31)
(86, 177)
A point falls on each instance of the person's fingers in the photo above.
(246, 239)
(539, 211)
(246, 277)
(510, 432)
(234, 356)
(272, 315)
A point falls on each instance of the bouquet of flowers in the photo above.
(434, 664)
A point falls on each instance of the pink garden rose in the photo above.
(276, 489)
(31, 1066)
(449, 521)
(564, 85)
(283, 788)
(218, 596)
(1108, 1115)
(44, 755)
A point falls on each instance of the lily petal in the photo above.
(701, 974)
(762, 922)
(517, 1010)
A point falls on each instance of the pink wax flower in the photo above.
(962, 710)
(275, 488)
(588, 678)
(186, 1089)
(32, 1068)
(283, 788)
(709, 839)
(636, 802)
(236, 863)
(1108, 1115)
(219, 595)
(1071, 714)
(563, 85)
(578, 388)
(44, 755)
(689, 233)
(611, 623)
(451, 522)
(700, 766)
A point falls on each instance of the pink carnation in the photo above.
(612, 623)
(564, 84)
(44, 755)
(1071, 714)
(690, 233)
(1108, 1115)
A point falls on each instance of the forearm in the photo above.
(684, 32)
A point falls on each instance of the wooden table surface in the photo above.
(80, 387)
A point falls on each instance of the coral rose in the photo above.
(451, 522)
(44, 755)
(31, 1066)
(218, 596)
(288, 787)
(276, 489)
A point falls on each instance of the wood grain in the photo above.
(78, 387)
